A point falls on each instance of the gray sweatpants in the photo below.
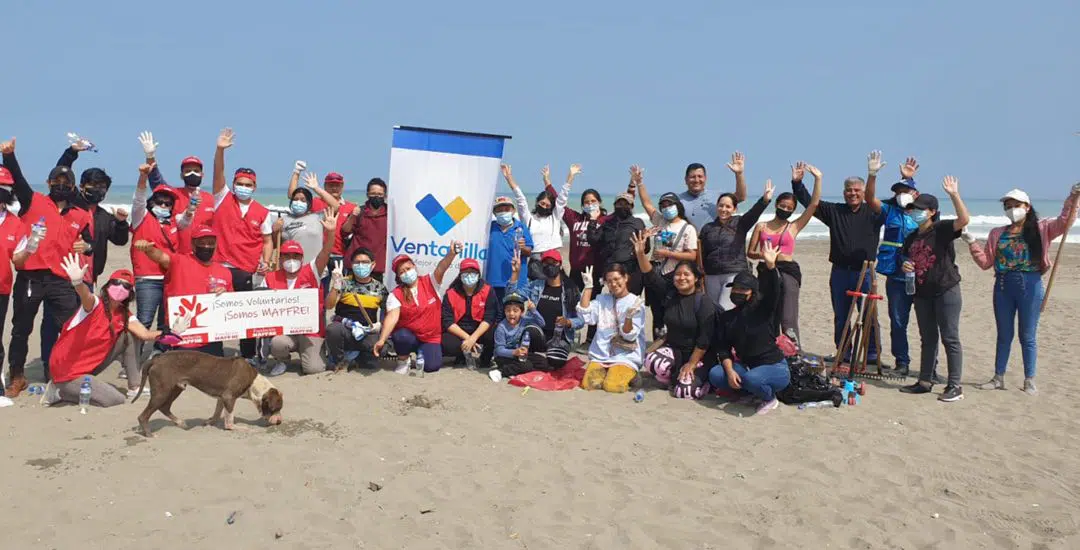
(309, 348)
(102, 393)
(789, 305)
(939, 318)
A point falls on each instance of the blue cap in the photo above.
(909, 183)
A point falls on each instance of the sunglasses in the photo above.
(125, 284)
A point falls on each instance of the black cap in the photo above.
(744, 280)
(513, 298)
(924, 201)
(668, 197)
(62, 172)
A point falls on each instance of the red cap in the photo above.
(203, 231)
(167, 190)
(5, 177)
(334, 177)
(292, 247)
(191, 160)
(398, 260)
(244, 173)
(469, 263)
(551, 255)
(123, 275)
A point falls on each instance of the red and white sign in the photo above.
(256, 314)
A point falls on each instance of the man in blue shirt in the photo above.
(699, 202)
(503, 244)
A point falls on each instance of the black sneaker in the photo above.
(939, 380)
(901, 371)
(917, 387)
(952, 393)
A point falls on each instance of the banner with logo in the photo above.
(441, 189)
(257, 314)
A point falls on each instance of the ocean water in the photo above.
(986, 213)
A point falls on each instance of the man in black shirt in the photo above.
(750, 332)
(854, 229)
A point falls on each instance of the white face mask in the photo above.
(291, 266)
(1016, 214)
(904, 199)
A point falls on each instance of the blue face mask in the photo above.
(590, 208)
(161, 213)
(470, 279)
(243, 193)
(919, 216)
(361, 271)
(504, 218)
(298, 207)
(409, 277)
(669, 212)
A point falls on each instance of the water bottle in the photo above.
(525, 344)
(38, 229)
(815, 405)
(909, 283)
(518, 235)
(639, 396)
(84, 394)
(419, 364)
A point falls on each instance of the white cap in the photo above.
(1016, 195)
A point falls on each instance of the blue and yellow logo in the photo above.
(443, 219)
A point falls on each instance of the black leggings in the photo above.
(451, 347)
(513, 366)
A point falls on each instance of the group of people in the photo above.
(715, 322)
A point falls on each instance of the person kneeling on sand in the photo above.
(101, 331)
(616, 353)
(749, 332)
(519, 339)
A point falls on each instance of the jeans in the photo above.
(405, 342)
(149, 302)
(939, 318)
(899, 315)
(1017, 292)
(762, 381)
(840, 281)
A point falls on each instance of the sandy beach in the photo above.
(452, 460)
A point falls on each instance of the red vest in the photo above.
(60, 236)
(370, 232)
(12, 231)
(240, 238)
(424, 317)
(479, 302)
(305, 278)
(80, 350)
(164, 237)
(204, 215)
(186, 277)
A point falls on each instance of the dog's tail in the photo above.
(145, 374)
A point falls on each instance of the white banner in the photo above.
(256, 314)
(441, 189)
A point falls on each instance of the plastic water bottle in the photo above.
(419, 364)
(525, 344)
(38, 229)
(84, 394)
(816, 404)
(909, 283)
(639, 396)
(518, 235)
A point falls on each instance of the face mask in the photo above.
(192, 179)
(362, 271)
(590, 208)
(739, 300)
(61, 193)
(291, 266)
(94, 195)
(118, 293)
(669, 212)
(243, 193)
(551, 271)
(782, 214)
(409, 277)
(204, 253)
(298, 207)
(504, 218)
(623, 212)
(376, 202)
(161, 213)
(904, 199)
(543, 212)
(919, 216)
(1016, 214)
(470, 279)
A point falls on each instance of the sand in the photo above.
(361, 462)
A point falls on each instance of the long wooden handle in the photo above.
(1053, 270)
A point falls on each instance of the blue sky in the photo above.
(985, 91)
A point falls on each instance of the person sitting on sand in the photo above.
(1020, 254)
(469, 310)
(781, 232)
(618, 349)
(930, 255)
(360, 300)
(414, 312)
(744, 345)
(102, 330)
(689, 315)
(556, 298)
(519, 339)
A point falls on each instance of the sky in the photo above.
(984, 91)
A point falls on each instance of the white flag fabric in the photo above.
(441, 189)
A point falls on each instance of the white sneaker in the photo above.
(278, 369)
(51, 395)
(402, 367)
(495, 375)
(133, 393)
(123, 374)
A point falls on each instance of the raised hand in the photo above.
(299, 166)
(74, 271)
(546, 172)
(311, 180)
(1075, 189)
(507, 172)
(7, 147)
(79, 143)
(908, 169)
(149, 146)
(951, 185)
(337, 276)
(575, 169)
(635, 307)
(146, 167)
(515, 263)
(768, 192)
(638, 240)
(874, 164)
(120, 214)
(637, 174)
(738, 163)
(813, 171)
(456, 246)
(226, 138)
(587, 278)
(329, 220)
(769, 254)
(798, 170)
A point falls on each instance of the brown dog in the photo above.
(226, 379)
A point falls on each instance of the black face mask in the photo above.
(205, 253)
(551, 271)
(94, 195)
(623, 212)
(782, 214)
(60, 193)
(739, 300)
(376, 202)
(543, 212)
(193, 180)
